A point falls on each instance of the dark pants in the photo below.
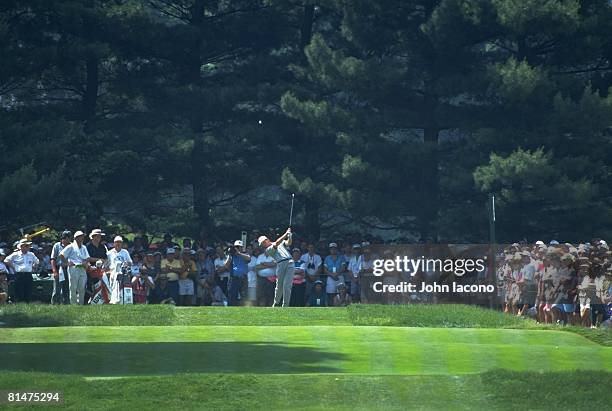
(597, 309)
(223, 283)
(234, 286)
(61, 290)
(298, 295)
(23, 287)
(173, 290)
(265, 292)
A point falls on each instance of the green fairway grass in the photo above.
(364, 357)
(289, 350)
(493, 390)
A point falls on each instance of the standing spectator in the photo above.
(97, 251)
(118, 257)
(61, 290)
(334, 267)
(298, 292)
(142, 284)
(187, 274)
(599, 295)
(23, 262)
(354, 267)
(236, 265)
(366, 272)
(318, 297)
(265, 268)
(222, 275)
(171, 267)
(205, 267)
(313, 267)
(252, 277)
(167, 242)
(77, 258)
(44, 268)
(138, 246)
(149, 266)
(3, 278)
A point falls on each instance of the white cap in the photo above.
(78, 233)
(261, 239)
(118, 238)
(238, 243)
(170, 250)
(334, 245)
(539, 242)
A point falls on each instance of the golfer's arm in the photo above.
(279, 240)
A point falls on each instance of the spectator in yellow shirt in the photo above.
(171, 266)
(187, 277)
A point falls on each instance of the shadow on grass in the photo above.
(27, 320)
(123, 359)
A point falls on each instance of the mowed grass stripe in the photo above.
(318, 349)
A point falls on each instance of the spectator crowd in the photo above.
(554, 283)
(558, 283)
(87, 269)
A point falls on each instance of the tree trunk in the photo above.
(429, 196)
(201, 200)
(90, 97)
(306, 30)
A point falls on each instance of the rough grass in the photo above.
(494, 390)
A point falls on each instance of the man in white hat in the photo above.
(97, 251)
(284, 265)
(23, 262)
(117, 257)
(77, 258)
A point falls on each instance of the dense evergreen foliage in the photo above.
(379, 114)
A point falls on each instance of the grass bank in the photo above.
(438, 316)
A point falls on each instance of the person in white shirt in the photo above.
(265, 267)
(23, 262)
(252, 276)
(313, 268)
(222, 273)
(77, 258)
(117, 257)
(354, 267)
(61, 289)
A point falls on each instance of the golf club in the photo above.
(291, 212)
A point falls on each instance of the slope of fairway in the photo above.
(112, 351)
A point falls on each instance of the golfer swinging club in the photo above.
(284, 265)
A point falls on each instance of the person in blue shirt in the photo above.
(237, 265)
(334, 267)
